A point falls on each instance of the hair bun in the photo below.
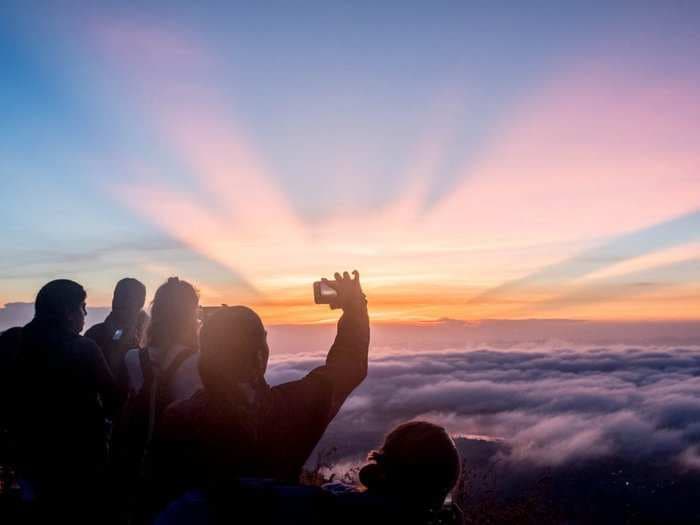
(372, 476)
(377, 456)
(172, 280)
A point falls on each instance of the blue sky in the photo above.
(334, 99)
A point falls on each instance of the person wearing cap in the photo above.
(237, 426)
(406, 481)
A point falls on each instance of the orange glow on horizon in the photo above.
(522, 206)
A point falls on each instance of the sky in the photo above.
(470, 162)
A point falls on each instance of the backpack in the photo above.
(114, 346)
(140, 415)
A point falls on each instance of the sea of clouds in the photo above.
(546, 406)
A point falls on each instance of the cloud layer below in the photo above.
(547, 407)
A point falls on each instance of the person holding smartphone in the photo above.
(237, 426)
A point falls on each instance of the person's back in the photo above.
(171, 345)
(176, 369)
(63, 393)
(59, 395)
(124, 327)
(239, 426)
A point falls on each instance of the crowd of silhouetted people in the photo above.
(168, 419)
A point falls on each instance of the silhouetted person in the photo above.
(9, 349)
(237, 425)
(63, 391)
(406, 481)
(162, 372)
(169, 360)
(124, 327)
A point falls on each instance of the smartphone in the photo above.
(324, 294)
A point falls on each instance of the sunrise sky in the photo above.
(470, 163)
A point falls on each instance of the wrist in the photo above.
(355, 305)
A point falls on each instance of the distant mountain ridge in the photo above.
(19, 314)
(447, 333)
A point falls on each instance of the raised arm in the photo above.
(301, 410)
(346, 362)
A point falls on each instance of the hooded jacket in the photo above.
(64, 392)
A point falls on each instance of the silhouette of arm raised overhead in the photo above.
(346, 362)
(301, 410)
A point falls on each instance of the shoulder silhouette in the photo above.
(65, 390)
(124, 328)
(238, 426)
(406, 481)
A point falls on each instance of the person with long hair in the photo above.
(161, 372)
(170, 355)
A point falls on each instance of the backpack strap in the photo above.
(167, 376)
(156, 388)
(146, 367)
(149, 387)
(156, 385)
(176, 363)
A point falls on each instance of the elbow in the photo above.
(360, 374)
(350, 377)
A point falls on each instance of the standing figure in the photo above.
(237, 426)
(124, 328)
(64, 391)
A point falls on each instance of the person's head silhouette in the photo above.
(233, 349)
(418, 463)
(174, 315)
(129, 297)
(63, 302)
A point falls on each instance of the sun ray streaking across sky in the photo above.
(582, 184)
